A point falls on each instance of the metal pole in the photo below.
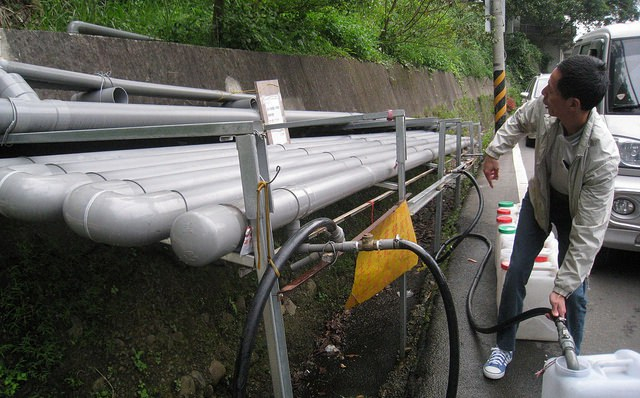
(252, 153)
(456, 197)
(438, 213)
(499, 75)
(401, 157)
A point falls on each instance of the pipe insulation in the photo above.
(24, 188)
(155, 151)
(46, 77)
(201, 236)
(26, 116)
(122, 213)
(12, 85)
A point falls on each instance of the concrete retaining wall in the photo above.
(306, 83)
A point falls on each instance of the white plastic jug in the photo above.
(504, 240)
(551, 243)
(539, 287)
(606, 375)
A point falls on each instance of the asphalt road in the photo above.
(613, 318)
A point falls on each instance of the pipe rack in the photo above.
(216, 204)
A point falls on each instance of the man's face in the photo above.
(556, 105)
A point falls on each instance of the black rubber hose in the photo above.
(267, 282)
(469, 304)
(450, 310)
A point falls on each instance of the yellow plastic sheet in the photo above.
(377, 269)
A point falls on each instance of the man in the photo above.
(576, 161)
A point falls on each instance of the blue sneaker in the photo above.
(497, 363)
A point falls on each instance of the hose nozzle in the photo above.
(567, 344)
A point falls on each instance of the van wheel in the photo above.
(531, 142)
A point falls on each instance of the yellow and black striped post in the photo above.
(499, 75)
(499, 98)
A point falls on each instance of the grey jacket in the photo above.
(591, 183)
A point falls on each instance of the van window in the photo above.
(624, 76)
(594, 48)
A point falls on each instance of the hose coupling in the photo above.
(368, 243)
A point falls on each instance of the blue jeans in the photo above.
(528, 242)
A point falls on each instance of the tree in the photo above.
(574, 12)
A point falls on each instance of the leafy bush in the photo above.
(524, 59)
(435, 34)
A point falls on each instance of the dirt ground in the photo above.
(84, 319)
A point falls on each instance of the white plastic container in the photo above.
(551, 243)
(504, 240)
(607, 375)
(539, 287)
(501, 272)
(508, 208)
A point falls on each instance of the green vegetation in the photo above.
(437, 34)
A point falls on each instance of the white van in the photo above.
(619, 46)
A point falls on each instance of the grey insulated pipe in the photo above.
(12, 85)
(91, 29)
(21, 116)
(46, 77)
(115, 95)
(203, 235)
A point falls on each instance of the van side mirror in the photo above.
(524, 94)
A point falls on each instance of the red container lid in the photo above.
(542, 259)
(504, 219)
(503, 210)
(504, 265)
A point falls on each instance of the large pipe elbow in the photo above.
(36, 196)
(201, 237)
(117, 213)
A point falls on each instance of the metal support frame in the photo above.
(442, 130)
(252, 153)
(401, 157)
(458, 189)
(254, 169)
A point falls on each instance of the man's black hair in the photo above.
(583, 77)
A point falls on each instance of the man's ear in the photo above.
(575, 104)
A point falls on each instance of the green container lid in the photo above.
(507, 229)
(505, 203)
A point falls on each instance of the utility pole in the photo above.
(499, 75)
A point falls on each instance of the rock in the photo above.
(187, 386)
(311, 287)
(217, 371)
(198, 377)
(288, 306)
